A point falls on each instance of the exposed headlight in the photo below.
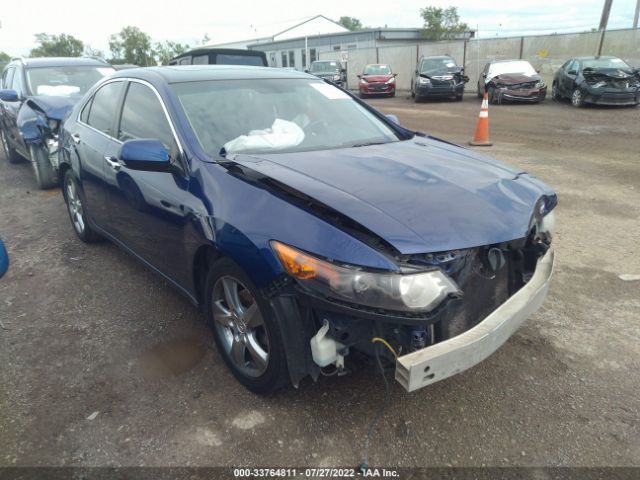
(424, 81)
(540, 85)
(336, 78)
(548, 223)
(409, 292)
(599, 84)
(390, 81)
(363, 81)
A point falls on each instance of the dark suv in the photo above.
(438, 76)
(221, 56)
(35, 97)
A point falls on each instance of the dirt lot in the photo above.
(87, 329)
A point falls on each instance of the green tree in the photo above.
(89, 51)
(205, 39)
(131, 45)
(163, 52)
(4, 57)
(62, 45)
(442, 23)
(350, 23)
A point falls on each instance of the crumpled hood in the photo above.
(601, 73)
(515, 78)
(54, 107)
(420, 195)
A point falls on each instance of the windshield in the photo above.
(502, 68)
(276, 115)
(325, 67)
(377, 70)
(605, 63)
(434, 64)
(64, 81)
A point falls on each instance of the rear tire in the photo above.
(42, 169)
(10, 154)
(75, 206)
(245, 329)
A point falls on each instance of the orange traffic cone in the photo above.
(481, 138)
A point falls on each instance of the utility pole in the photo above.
(635, 17)
(603, 24)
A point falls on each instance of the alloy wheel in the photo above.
(74, 204)
(576, 98)
(241, 327)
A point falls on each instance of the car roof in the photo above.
(511, 60)
(436, 56)
(196, 73)
(63, 61)
(592, 57)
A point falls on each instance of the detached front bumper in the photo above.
(436, 362)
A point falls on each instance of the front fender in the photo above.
(32, 125)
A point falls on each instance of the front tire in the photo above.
(245, 329)
(75, 207)
(42, 169)
(555, 93)
(10, 154)
(577, 99)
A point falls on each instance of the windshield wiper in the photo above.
(366, 144)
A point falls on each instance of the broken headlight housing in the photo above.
(410, 291)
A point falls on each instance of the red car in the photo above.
(377, 79)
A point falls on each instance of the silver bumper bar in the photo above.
(436, 362)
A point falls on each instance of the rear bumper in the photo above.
(431, 364)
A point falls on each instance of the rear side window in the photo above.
(144, 117)
(185, 61)
(103, 107)
(201, 59)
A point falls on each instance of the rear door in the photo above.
(148, 210)
(95, 129)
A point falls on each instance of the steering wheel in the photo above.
(313, 127)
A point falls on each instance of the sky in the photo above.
(186, 21)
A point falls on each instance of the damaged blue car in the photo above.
(35, 96)
(307, 225)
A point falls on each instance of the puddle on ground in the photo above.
(172, 358)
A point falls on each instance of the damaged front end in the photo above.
(611, 86)
(516, 88)
(442, 82)
(40, 121)
(439, 314)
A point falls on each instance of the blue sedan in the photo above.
(305, 223)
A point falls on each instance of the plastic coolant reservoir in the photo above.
(324, 350)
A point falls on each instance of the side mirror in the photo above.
(484, 75)
(8, 95)
(145, 154)
(343, 70)
(395, 75)
(359, 76)
(416, 71)
(393, 118)
(306, 70)
(537, 70)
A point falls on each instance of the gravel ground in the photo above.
(103, 364)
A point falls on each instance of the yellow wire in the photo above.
(386, 344)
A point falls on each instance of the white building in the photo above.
(318, 25)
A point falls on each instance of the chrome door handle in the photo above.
(113, 162)
(76, 138)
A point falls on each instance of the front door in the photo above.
(147, 210)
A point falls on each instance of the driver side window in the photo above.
(144, 117)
